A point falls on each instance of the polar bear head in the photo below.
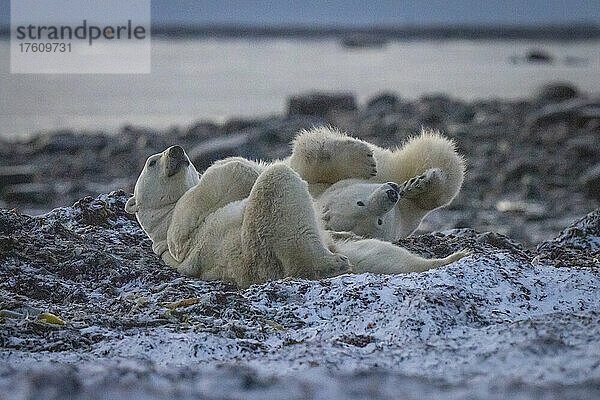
(165, 178)
(367, 209)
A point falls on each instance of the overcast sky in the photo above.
(366, 12)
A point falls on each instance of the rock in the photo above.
(584, 146)
(535, 151)
(588, 115)
(239, 124)
(320, 104)
(517, 168)
(576, 246)
(30, 193)
(68, 142)
(533, 210)
(268, 140)
(15, 174)
(590, 181)
(209, 151)
(524, 322)
(567, 111)
(556, 92)
(383, 102)
(135, 328)
(539, 56)
(385, 130)
(202, 130)
(463, 114)
(360, 41)
(346, 121)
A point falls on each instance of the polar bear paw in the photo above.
(420, 183)
(459, 255)
(336, 264)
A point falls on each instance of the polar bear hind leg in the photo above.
(326, 155)
(376, 256)
(419, 184)
(281, 235)
(430, 154)
(220, 185)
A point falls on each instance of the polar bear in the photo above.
(343, 172)
(372, 209)
(248, 223)
(361, 207)
(345, 176)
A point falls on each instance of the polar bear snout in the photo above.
(394, 186)
(175, 160)
(392, 195)
(176, 152)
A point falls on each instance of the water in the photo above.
(217, 79)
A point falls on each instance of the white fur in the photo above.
(248, 223)
(361, 207)
(324, 156)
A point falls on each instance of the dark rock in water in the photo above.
(15, 174)
(576, 61)
(556, 92)
(539, 56)
(320, 104)
(363, 41)
(590, 181)
(32, 193)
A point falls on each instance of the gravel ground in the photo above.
(88, 311)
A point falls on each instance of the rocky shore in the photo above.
(533, 165)
(87, 311)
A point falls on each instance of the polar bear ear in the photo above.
(131, 207)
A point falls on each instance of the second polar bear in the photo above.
(376, 192)
(249, 223)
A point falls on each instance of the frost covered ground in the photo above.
(503, 323)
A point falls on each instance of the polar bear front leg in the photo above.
(281, 235)
(325, 155)
(220, 185)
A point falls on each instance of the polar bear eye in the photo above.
(360, 203)
(152, 163)
(379, 221)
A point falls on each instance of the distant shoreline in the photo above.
(562, 32)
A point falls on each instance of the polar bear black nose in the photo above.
(392, 195)
(176, 152)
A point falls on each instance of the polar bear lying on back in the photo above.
(249, 223)
(375, 192)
